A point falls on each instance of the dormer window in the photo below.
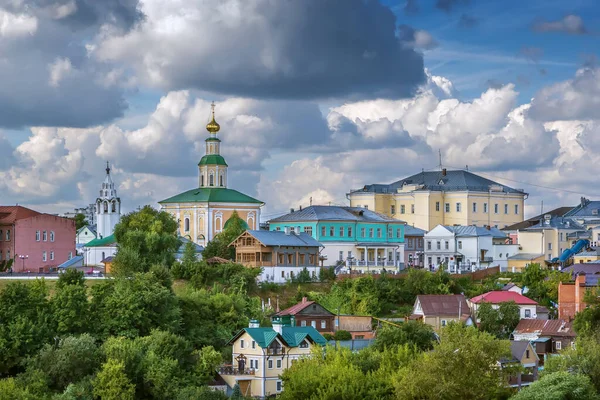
(441, 182)
(304, 344)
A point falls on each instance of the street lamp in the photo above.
(23, 257)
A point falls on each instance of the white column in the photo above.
(195, 238)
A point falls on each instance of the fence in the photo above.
(355, 344)
(479, 275)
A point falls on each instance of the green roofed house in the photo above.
(204, 211)
(260, 355)
(97, 250)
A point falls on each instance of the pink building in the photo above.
(36, 242)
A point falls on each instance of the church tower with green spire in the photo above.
(212, 167)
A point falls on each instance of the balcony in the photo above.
(275, 351)
(231, 370)
(487, 259)
(373, 263)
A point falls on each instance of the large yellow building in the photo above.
(432, 198)
(260, 355)
(203, 212)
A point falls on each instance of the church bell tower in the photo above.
(108, 207)
(212, 168)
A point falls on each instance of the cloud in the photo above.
(571, 24)
(450, 5)
(416, 38)
(266, 49)
(47, 77)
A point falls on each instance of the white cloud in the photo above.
(59, 69)
(15, 25)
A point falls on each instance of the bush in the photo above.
(328, 336)
(342, 335)
(327, 274)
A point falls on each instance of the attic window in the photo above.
(595, 211)
(441, 182)
(314, 307)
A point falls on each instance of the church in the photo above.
(204, 211)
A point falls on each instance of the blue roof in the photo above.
(280, 238)
(181, 249)
(586, 208)
(470, 230)
(72, 262)
(410, 230)
(335, 213)
(557, 223)
(92, 229)
(452, 181)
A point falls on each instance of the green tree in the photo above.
(463, 356)
(82, 390)
(583, 358)
(111, 383)
(587, 321)
(151, 234)
(559, 386)
(342, 335)
(70, 304)
(80, 221)
(302, 277)
(189, 264)
(11, 390)
(500, 322)
(413, 333)
(219, 246)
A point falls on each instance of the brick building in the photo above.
(571, 296)
(35, 241)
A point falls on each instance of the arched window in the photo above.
(211, 180)
(114, 206)
(105, 206)
(218, 224)
(202, 180)
(186, 224)
(221, 180)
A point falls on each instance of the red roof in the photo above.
(10, 214)
(499, 296)
(549, 327)
(295, 309)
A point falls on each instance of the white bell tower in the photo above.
(108, 207)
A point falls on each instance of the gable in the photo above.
(439, 230)
(315, 309)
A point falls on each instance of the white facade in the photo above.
(527, 311)
(285, 274)
(85, 235)
(108, 207)
(95, 255)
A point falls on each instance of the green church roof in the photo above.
(102, 242)
(212, 159)
(212, 139)
(212, 195)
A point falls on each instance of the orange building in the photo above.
(571, 297)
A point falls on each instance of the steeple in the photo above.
(212, 168)
(108, 206)
(107, 168)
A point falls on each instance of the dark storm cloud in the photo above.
(285, 50)
(571, 24)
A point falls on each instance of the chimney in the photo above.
(277, 326)
(254, 324)
(304, 300)
(299, 208)
(444, 172)
(287, 230)
(291, 210)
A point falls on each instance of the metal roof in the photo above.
(545, 327)
(556, 223)
(292, 336)
(451, 181)
(470, 230)
(280, 238)
(586, 208)
(335, 213)
(443, 305)
(557, 212)
(525, 256)
(410, 230)
(71, 262)
(499, 296)
(211, 195)
(107, 241)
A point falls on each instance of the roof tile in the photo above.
(498, 296)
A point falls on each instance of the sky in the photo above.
(314, 97)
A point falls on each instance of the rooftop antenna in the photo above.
(311, 201)
(440, 153)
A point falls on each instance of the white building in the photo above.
(108, 207)
(528, 307)
(467, 248)
(97, 250)
(85, 234)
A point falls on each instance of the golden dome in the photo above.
(213, 126)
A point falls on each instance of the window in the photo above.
(485, 208)
(302, 323)
(362, 232)
(561, 236)
(290, 259)
(390, 232)
(349, 254)
(437, 206)
(549, 246)
(412, 208)
(447, 207)
(474, 207)
(370, 232)
(342, 231)
(341, 255)
(8, 235)
(37, 236)
(242, 343)
(270, 364)
(379, 232)
(410, 243)
(506, 209)
(527, 313)
(496, 208)
(526, 353)
(51, 255)
(278, 364)
(221, 180)
(44, 256)
(439, 245)
(460, 244)
(558, 345)
(304, 344)
(211, 180)
(429, 260)
(70, 255)
(429, 245)
(331, 231)
(323, 324)
(279, 386)
(323, 231)
(278, 228)
(1, 235)
(398, 233)
(402, 209)
(313, 324)
(443, 322)
(392, 209)
(52, 236)
(8, 254)
(45, 236)
(308, 230)
(349, 231)
(516, 208)
(186, 224)
(302, 259)
(253, 344)
(366, 207)
(446, 245)
(201, 180)
(280, 260)
(458, 207)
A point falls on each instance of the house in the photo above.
(523, 353)
(438, 310)
(466, 248)
(353, 238)
(571, 295)
(512, 230)
(446, 197)
(310, 313)
(34, 241)
(99, 249)
(181, 250)
(518, 262)
(307, 313)
(261, 355)
(587, 213)
(108, 263)
(587, 256)
(511, 287)
(281, 255)
(547, 337)
(85, 234)
(527, 307)
(414, 246)
(590, 269)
